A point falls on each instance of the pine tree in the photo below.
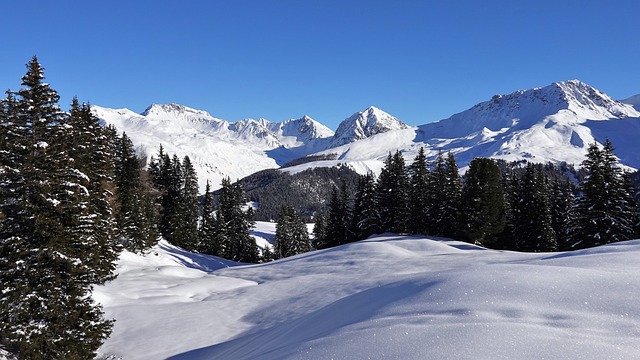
(483, 211)
(366, 218)
(532, 216)
(604, 212)
(393, 195)
(185, 226)
(562, 207)
(337, 219)
(421, 194)
(319, 240)
(206, 237)
(46, 273)
(234, 223)
(445, 189)
(291, 237)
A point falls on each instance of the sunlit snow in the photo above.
(389, 297)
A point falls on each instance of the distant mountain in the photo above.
(218, 148)
(363, 124)
(555, 123)
(633, 100)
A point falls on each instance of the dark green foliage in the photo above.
(185, 221)
(233, 224)
(421, 195)
(307, 191)
(482, 218)
(319, 240)
(206, 231)
(446, 191)
(55, 232)
(531, 215)
(366, 216)
(291, 237)
(137, 213)
(562, 212)
(393, 195)
(338, 230)
(605, 211)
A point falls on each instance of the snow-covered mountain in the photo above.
(553, 123)
(363, 124)
(216, 147)
(633, 100)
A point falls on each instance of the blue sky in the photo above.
(418, 60)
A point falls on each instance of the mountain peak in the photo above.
(156, 110)
(366, 123)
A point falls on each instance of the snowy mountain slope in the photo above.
(391, 296)
(555, 123)
(216, 147)
(633, 100)
(364, 124)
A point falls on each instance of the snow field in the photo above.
(389, 297)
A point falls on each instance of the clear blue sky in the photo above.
(418, 60)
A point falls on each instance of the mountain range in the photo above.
(555, 123)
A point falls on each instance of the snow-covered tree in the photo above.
(234, 221)
(605, 210)
(291, 237)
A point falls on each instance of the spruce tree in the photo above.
(393, 195)
(291, 237)
(45, 270)
(337, 219)
(421, 193)
(604, 212)
(234, 222)
(206, 231)
(319, 240)
(366, 218)
(483, 210)
(185, 225)
(562, 212)
(532, 228)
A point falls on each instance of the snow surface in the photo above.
(389, 297)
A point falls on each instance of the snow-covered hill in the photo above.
(554, 123)
(389, 297)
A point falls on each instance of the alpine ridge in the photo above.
(555, 123)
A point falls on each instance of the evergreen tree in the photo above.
(562, 201)
(185, 228)
(604, 212)
(46, 274)
(320, 232)
(137, 213)
(393, 195)
(366, 217)
(291, 237)
(234, 223)
(206, 237)
(446, 190)
(483, 211)
(338, 221)
(421, 194)
(532, 216)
